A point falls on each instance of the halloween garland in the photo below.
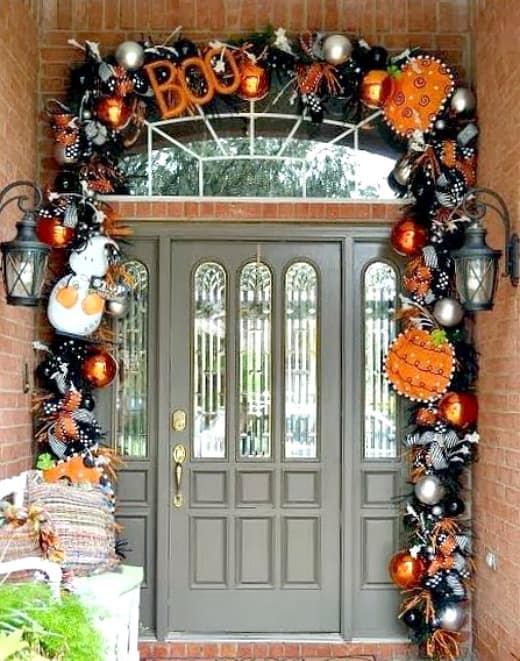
(431, 362)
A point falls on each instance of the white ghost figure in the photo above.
(74, 307)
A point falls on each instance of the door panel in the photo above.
(256, 365)
(377, 462)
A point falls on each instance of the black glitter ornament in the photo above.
(67, 181)
(413, 618)
(377, 58)
(454, 506)
(185, 48)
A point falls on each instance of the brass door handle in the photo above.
(179, 457)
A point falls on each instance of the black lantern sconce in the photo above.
(24, 259)
(476, 264)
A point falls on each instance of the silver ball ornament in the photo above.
(60, 155)
(404, 168)
(337, 49)
(437, 510)
(117, 307)
(451, 617)
(130, 55)
(463, 101)
(429, 490)
(86, 115)
(448, 312)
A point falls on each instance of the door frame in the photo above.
(346, 235)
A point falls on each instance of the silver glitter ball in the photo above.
(130, 55)
(404, 168)
(337, 49)
(117, 307)
(451, 617)
(448, 312)
(429, 490)
(463, 101)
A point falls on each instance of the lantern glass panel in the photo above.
(476, 281)
(24, 273)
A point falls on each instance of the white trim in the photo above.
(260, 200)
(333, 638)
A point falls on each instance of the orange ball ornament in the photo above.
(376, 87)
(408, 237)
(405, 570)
(99, 368)
(113, 111)
(254, 81)
(52, 232)
(459, 409)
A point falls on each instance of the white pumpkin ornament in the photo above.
(74, 307)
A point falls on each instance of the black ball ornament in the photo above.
(413, 618)
(377, 58)
(185, 48)
(89, 461)
(67, 181)
(454, 506)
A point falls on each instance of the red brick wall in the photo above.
(438, 25)
(496, 482)
(18, 103)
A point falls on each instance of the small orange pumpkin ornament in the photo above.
(254, 81)
(73, 470)
(419, 366)
(405, 570)
(375, 88)
(419, 94)
(113, 111)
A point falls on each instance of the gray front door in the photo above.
(255, 395)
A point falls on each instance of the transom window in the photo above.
(263, 149)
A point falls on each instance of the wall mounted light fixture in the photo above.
(24, 259)
(476, 264)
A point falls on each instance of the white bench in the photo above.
(112, 596)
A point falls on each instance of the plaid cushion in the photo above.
(83, 524)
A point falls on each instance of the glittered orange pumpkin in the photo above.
(113, 111)
(426, 417)
(418, 366)
(419, 94)
(375, 88)
(417, 277)
(254, 81)
(405, 570)
(73, 470)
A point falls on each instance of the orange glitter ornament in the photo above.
(99, 368)
(405, 570)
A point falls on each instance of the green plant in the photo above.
(55, 629)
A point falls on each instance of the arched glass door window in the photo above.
(131, 350)
(255, 323)
(380, 418)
